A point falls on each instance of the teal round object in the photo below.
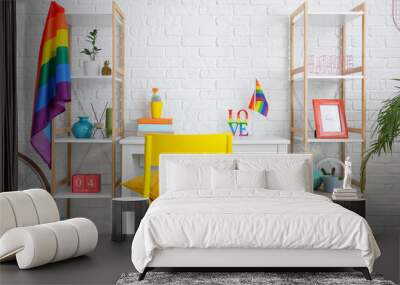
(83, 128)
(317, 178)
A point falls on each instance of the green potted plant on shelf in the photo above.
(91, 67)
(387, 130)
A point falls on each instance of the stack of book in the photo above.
(346, 194)
(154, 126)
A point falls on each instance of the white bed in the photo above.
(201, 220)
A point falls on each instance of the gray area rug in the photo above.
(269, 278)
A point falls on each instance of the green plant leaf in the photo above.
(91, 38)
(387, 129)
(86, 51)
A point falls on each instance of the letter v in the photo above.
(233, 130)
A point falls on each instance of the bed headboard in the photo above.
(282, 163)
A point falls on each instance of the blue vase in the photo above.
(330, 183)
(83, 128)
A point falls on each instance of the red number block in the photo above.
(78, 182)
(92, 183)
(86, 183)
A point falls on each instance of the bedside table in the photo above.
(135, 204)
(355, 205)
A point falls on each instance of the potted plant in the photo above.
(387, 130)
(90, 67)
(330, 180)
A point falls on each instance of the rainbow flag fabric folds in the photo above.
(258, 101)
(53, 81)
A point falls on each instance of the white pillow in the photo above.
(281, 173)
(223, 179)
(184, 177)
(251, 178)
(294, 181)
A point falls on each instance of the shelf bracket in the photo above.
(352, 70)
(355, 130)
(297, 70)
(63, 181)
(359, 8)
(297, 130)
(298, 11)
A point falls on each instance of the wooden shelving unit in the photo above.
(62, 137)
(304, 18)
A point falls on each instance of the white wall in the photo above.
(204, 56)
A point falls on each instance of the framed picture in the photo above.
(330, 119)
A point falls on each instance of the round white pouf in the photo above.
(7, 216)
(87, 234)
(52, 242)
(33, 246)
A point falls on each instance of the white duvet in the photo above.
(252, 218)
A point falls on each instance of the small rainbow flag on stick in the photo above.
(53, 81)
(258, 101)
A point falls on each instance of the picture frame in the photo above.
(330, 119)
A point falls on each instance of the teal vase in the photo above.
(317, 178)
(83, 128)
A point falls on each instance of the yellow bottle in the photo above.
(156, 105)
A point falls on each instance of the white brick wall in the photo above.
(204, 56)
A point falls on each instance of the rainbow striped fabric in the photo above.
(258, 101)
(53, 81)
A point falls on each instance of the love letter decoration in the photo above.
(239, 123)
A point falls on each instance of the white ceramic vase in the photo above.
(90, 68)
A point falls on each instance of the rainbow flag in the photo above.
(53, 81)
(258, 101)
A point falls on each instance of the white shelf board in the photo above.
(91, 77)
(328, 18)
(261, 140)
(315, 140)
(89, 19)
(96, 77)
(92, 140)
(250, 140)
(66, 192)
(328, 77)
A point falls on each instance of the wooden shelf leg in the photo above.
(291, 84)
(305, 86)
(53, 158)
(343, 81)
(113, 171)
(364, 88)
